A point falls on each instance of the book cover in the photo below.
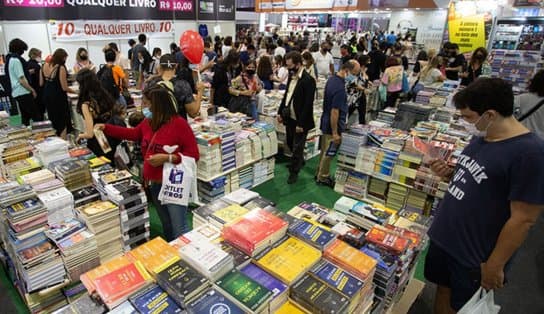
(88, 278)
(98, 207)
(312, 234)
(415, 238)
(289, 308)
(348, 256)
(124, 308)
(240, 258)
(155, 255)
(388, 239)
(102, 140)
(181, 281)
(315, 295)
(265, 279)
(229, 214)
(337, 278)
(213, 302)
(154, 300)
(121, 282)
(245, 290)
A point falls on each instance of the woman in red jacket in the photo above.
(162, 127)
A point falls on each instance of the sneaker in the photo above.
(327, 182)
(293, 177)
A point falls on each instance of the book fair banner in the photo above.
(87, 30)
(97, 10)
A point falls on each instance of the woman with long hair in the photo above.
(163, 127)
(83, 61)
(392, 79)
(225, 71)
(281, 72)
(478, 66)
(265, 72)
(96, 105)
(247, 84)
(309, 64)
(54, 79)
(430, 74)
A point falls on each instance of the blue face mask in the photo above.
(350, 78)
(147, 113)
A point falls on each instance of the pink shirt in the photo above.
(392, 77)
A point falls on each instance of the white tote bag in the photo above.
(482, 302)
(179, 182)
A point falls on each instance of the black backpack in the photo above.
(105, 75)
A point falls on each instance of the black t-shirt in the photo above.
(34, 71)
(477, 204)
(454, 62)
(377, 64)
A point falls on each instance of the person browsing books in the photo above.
(162, 127)
(334, 117)
(296, 111)
(491, 203)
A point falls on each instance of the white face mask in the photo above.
(473, 129)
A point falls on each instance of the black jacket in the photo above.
(303, 101)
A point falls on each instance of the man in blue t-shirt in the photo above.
(334, 117)
(391, 39)
(495, 195)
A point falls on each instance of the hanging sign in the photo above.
(467, 32)
(81, 30)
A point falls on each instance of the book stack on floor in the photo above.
(35, 258)
(77, 246)
(129, 196)
(102, 219)
(52, 149)
(60, 205)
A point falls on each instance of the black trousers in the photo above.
(295, 142)
(29, 109)
(361, 109)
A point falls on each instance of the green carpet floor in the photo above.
(284, 195)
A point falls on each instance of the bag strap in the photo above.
(530, 112)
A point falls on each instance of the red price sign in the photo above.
(176, 5)
(35, 3)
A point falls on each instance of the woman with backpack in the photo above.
(96, 105)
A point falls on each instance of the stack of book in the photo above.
(308, 211)
(278, 288)
(37, 177)
(288, 259)
(316, 296)
(240, 196)
(312, 234)
(244, 154)
(81, 153)
(270, 146)
(245, 177)
(77, 246)
(42, 129)
(17, 132)
(102, 219)
(153, 299)
(245, 292)
(182, 282)
(228, 146)
(52, 149)
(351, 259)
(156, 255)
(351, 183)
(240, 259)
(74, 174)
(201, 215)
(213, 301)
(209, 147)
(396, 196)
(101, 179)
(203, 255)
(227, 215)
(262, 172)
(209, 191)
(85, 196)
(362, 214)
(386, 270)
(15, 150)
(377, 190)
(255, 231)
(59, 204)
(129, 196)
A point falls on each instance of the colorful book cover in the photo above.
(124, 308)
(386, 261)
(314, 294)
(213, 302)
(88, 278)
(388, 239)
(265, 279)
(154, 300)
(180, 281)
(245, 290)
(121, 282)
(312, 234)
(96, 208)
(155, 255)
(229, 214)
(289, 308)
(348, 256)
(240, 258)
(337, 278)
(415, 238)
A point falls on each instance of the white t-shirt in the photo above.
(279, 51)
(323, 62)
(524, 103)
(431, 77)
(283, 75)
(225, 50)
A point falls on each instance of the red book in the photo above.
(253, 229)
(403, 232)
(114, 287)
(388, 239)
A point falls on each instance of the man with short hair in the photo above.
(140, 49)
(334, 117)
(324, 61)
(119, 77)
(456, 61)
(19, 78)
(491, 203)
(296, 111)
(131, 44)
(120, 59)
(345, 54)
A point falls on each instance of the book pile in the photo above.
(15, 150)
(352, 260)
(101, 179)
(37, 177)
(77, 246)
(209, 147)
(203, 255)
(153, 299)
(240, 259)
(255, 231)
(102, 219)
(81, 153)
(245, 177)
(74, 174)
(213, 301)
(312, 234)
(82, 304)
(278, 288)
(52, 149)
(396, 196)
(44, 300)
(209, 191)
(85, 196)
(155, 255)
(351, 183)
(20, 167)
(308, 211)
(377, 190)
(288, 259)
(244, 154)
(129, 196)
(248, 294)
(16, 132)
(263, 171)
(316, 297)
(42, 128)
(202, 214)
(227, 215)
(228, 146)
(59, 204)
(269, 139)
(182, 282)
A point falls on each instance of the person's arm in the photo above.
(522, 217)
(88, 122)
(335, 113)
(17, 71)
(331, 64)
(193, 107)
(122, 133)
(64, 80)
(26, 85)
(42, 81)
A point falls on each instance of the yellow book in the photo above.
(230, 214)
(315, 223)
(156, 255)
(97, 207)
(289, 308)
(302, 213)
(290, 260)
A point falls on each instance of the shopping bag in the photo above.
(405, 83)
(382, 90)
(482, 302)
(178, 181)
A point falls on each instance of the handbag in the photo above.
(178, 184)
(482, 302)
(240, 103)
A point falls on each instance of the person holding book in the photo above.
(491, 203)
(163, 128)
(334, 118)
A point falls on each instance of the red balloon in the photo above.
(192, 46)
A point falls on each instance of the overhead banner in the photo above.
(82, 30)
(97, 9)
(467, 32)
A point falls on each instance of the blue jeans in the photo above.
(173, 217)
(253, 110)
(122, 101)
